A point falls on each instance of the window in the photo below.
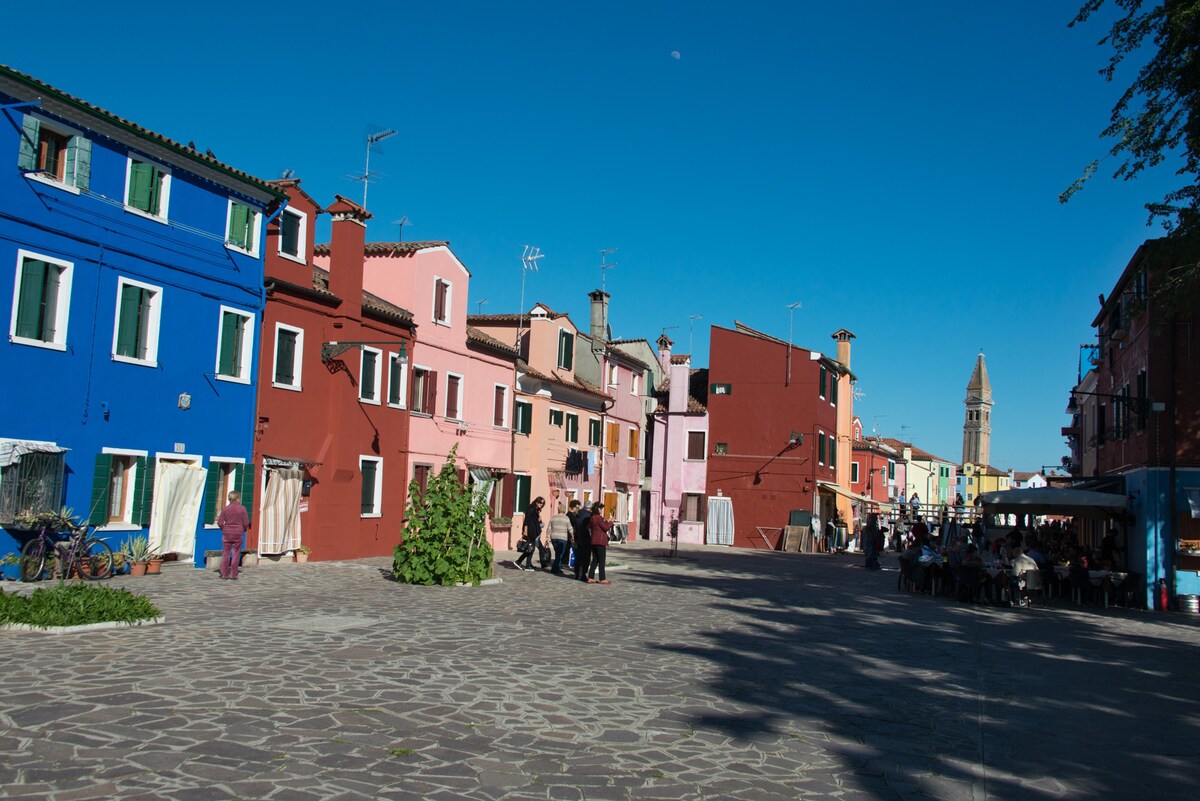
(821, 448)
(1143, 402)
(635, 382)
(41, 301)
(235, 345)
(454, 396)
(371, 470)
(721, 448)
(521, 488)
(594, 432)
(523, 417)
(566, 349)
(854, 472)
(135, 330)
(832, 451)
(1101, 425)
(691, 508)
(613, 437)
(556, 417)
(970, 481)
(147, 188)
(635, 437)
(369, 376)
(614, 375)
(54, 155)
(243, 228)
(424, 390)
(289, 345)
(833, 389)
(441, 301)
(500, 407)
(891, 470)
(293, 235)
(122, 486)
(572, 433)
(32, 484)
(696, 445)
(824, 379)
(224, 476)
(587, 497)
(420, 479)
(397, 381)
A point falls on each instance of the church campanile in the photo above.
(977, 429)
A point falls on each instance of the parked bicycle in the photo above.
(89, 556)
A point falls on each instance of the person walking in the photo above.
(583, 543)
(870, 540)
(599, 528)
(531, 532)
(560, 534)
(233, 521)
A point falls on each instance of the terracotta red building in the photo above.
(331, 441)
(773, 431)
(876, 471)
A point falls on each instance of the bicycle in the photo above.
(90, 556)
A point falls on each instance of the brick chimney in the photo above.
(843, 338)
(599, 327)
(346, 249)
(664, 343)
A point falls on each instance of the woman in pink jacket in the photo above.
(599, 528)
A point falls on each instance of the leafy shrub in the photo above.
(445, 533)
(75, 605)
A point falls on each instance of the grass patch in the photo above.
(75, 605)
(400, 752)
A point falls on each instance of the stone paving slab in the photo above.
(720, 675)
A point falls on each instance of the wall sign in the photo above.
(720, 389)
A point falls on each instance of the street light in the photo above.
(1136, 405)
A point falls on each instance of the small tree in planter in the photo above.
(445, 531)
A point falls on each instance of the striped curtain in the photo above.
(279, 523)
(720, 521)
(178, 496)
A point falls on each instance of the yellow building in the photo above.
(980, 478)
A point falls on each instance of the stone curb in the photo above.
(108, 624)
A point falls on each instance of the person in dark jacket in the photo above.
(531, 532)
(870, 540)
(599, 528)
(583, 543)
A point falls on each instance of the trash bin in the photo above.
(841, 534)
(1189, 604)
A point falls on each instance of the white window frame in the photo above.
(446, 321)
(635, 377)
(559, 356)
(378, 493)
(567, 427)
(247, 351)
(687, 437)
(302, 238)
(854, 472)
(164, 194)
(152, 330)
(62, 306)
(461, 394)
(392, 358)
(614, 375)
(256, 225)
(600, 444)
(412, 383)
(507, 403)
(61, 130)
(297, 366)
(638, 455)
(562, 414)
(130, 481)
(362, 359)
(214, 460)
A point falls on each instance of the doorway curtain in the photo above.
(279, 527)
(178, 496)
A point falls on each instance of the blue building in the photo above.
(131, 268)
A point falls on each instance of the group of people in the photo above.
(583, 530)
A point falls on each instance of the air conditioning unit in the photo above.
(649, 405)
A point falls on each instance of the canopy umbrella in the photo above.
(1054, 501)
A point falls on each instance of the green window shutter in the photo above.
(156, 178)
(227, 356)
(240, 232)
(98, 515)
(367, 505)
(245, 482)
(127, 324)
(822, 385)
(832, 451)
(367, 381)
(522, 491)
(833, 387)
(27, 153)
(821, 448)
(211, 501)
(31, 302)
(139, 185)
(79, 162)
(143, 491)
(285, 358)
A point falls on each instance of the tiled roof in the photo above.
(475, 335)
(629, 357)
(294, 183)
(917, 453)
(571, 382)
(189, 153)
(682, 358)
(370, 302)
(694, 406)
(484, 319)
(1021, 475)
(627, 341)
(386, 248)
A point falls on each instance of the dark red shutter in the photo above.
(439, 300)
(430, 392)
(507, 485)
(452, 397)
(498, 413)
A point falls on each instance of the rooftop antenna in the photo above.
(403, 221)
(479, 305)
(902, 430)
(529, 260)
(605, 265)
(286, 175)
(692, 319)
(875, 425)
(373, 138)
(791, 315)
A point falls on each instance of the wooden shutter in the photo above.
(139, 185)
(368, 469)
(572, 428)
(833, 389)
(452, 384)
(143, 491)
(508, 496)
(821, 448)
(366, 389)
(101, 487)
(228, 345)
(832, 451)
(431, 392)
(239, 226)
(27, 153)
(498, 408)
(633, 441)
(79, 162)
(246, 485)
(211, 487)
(285, 357)
(127, 325)
(439, 299)
(610, 505)
(695, 445)
(566, 349)
(822, 385)
(610, 443)
(31, 302)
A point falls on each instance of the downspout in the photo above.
(1171, 521)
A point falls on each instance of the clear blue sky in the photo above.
(893, 166)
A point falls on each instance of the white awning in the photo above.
(11, 450)
(1054, 501)
(845, 493)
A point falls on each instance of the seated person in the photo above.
(1034, 552)
(1021, 563)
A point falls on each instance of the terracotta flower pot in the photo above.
(154, 567)
(301, 557)
(137, 568)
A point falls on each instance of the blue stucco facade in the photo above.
(1151, 548)
(141, 357)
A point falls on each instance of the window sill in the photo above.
(443, 323)
(369, 402)
(37, 343)
(372, 516)
(238, 249)
(288, 387)
(396, 405)
(42, 178)
(282, 255)
(147, 215)
(136, 362)
(112, 527)
(232, 379)
(415, 413)
(499, 427)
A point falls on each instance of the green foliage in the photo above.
(444, 534)
(75, 605)
(136, 548)
(62, 520)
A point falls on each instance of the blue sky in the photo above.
(895, 167)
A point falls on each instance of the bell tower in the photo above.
(977, 428)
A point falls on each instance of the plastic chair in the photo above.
(1031, 582)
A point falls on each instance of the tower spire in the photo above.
(977, 427)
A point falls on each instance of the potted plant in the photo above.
(136, 551)
(154, 562)
(302, 553)
(9, 560)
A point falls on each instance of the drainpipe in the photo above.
(1174, 455)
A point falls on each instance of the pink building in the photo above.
(458, 388)
(680, 458)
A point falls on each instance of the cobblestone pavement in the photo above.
(719, 675)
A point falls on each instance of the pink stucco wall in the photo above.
(674, 473)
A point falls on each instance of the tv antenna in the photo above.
(791, 315)
(605, 265)
(902, 430)
(479, 305)
(373, 139)
(857, 394)
(287, 175)
(529, 263)
(692, 318)
(403, 221)
(875, 425)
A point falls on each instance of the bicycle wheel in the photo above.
(95, 560)
(33, 559)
